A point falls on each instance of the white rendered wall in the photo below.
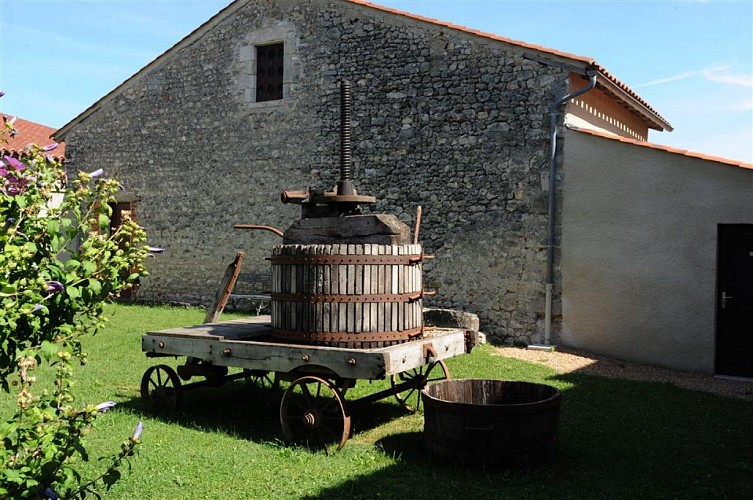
(639, 247)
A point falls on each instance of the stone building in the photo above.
(451, 119)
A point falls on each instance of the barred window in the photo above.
(269, 72)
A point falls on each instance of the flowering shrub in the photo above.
(59, 263)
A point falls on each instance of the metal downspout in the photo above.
(553, 116)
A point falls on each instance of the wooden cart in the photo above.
(313, 409)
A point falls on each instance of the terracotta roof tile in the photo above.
(669, 149)
(28, 133)
(584, 59)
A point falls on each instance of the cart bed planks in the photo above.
(247, 343)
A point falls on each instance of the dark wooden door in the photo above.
(734, 306)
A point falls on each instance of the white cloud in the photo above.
(718, 74)
(732, 79)
(674, 78)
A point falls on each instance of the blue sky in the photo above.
(691, 60)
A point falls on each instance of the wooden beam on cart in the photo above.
(226, 288)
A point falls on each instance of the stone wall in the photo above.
(443, 119)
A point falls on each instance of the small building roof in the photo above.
(668, 149)
(30, 133)
(607, 81)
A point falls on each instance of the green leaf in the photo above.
(57, 243)
(53, 225)
(72, 264)
(89, 267)
(104, 221)
(95, 287)
(111, 477)
(82, 451)
(49, 350)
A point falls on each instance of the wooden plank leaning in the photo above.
(226, 287)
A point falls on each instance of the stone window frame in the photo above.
(247, 58)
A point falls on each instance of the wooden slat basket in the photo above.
(356, 296)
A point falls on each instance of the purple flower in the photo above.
(55, 286)
(37, 307)
(96, 173)
(137, 432)
(12, 189)
(14, 186)
(3, 171)
(107, 405)
(13, 162)
(50, 147)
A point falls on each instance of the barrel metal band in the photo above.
(347, 299)
(339, 259)
(347, 337)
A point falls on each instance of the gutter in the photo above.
(553, 118)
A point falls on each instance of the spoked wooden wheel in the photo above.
(263, 379)
(312, 412)
(160, 388)
(416, 380)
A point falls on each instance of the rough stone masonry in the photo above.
(441, 118)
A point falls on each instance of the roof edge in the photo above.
(60, 133)
(619, 89)
(660, 147)
(16, 153)
(418, 17)
(631, 98)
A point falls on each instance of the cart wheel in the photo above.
(262, 379)
(160, 388)
(313, 412)
(410, 399)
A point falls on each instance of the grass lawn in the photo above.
(618, 439)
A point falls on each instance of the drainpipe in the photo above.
(553, 116)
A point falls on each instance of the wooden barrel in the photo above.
(491, 423)
(357, 296)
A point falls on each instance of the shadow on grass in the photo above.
(241, 408)
(617, 439)
(238, 408)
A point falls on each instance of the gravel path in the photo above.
(566, 360)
